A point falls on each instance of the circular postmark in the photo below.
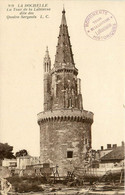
(100, 25)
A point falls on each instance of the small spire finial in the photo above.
(46, 48)
(63, 9)
(47, 51)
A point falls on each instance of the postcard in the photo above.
(62, 84)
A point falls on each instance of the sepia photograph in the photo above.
(62, 97)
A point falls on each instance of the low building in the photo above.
(9, 162)
(114, 158)
(103, 151)
(24, 161)
(39, 170)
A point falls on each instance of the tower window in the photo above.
(69, 154)
(86, 141)
(45, 67)
(70, 103)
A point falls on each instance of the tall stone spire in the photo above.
(64, 53)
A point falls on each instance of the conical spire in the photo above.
(64, 52)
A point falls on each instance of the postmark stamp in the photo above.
(100, 25)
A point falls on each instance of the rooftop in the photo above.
(115, 154)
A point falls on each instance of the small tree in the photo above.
(21, 153)
(6, 151)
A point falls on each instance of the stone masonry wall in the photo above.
(57, 137)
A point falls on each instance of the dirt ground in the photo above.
(60, 189)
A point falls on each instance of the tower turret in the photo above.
(47, 81)
(47, 62)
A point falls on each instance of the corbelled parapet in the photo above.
(66, 114)
(64, 68)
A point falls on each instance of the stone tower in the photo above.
(65, 127)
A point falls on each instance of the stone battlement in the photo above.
(65, 114)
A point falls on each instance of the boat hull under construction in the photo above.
(97, 173)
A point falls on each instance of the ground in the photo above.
(36, 186)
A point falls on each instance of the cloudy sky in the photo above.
(100, 64)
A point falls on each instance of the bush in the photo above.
(15, 179)
(27, 187)
(26, 184)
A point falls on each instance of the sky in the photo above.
(100, 64)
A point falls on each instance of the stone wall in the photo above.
(57, 137)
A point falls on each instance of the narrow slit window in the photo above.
(45, 67)
(70, 103)
(86, 141)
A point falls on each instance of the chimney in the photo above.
(123, 143)
(101, 147)
(114, 145)
(108, 146)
